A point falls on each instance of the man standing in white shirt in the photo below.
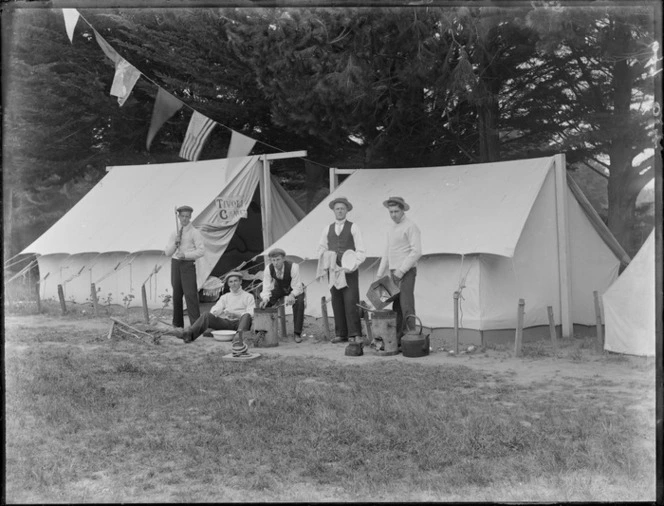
(402, 251)
(233, 311)
(341, 236)
(185, 246)
(281, 279)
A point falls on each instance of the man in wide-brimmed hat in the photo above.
(184, 247)
(340, 237)
(403, 249)
(233, 311)
(281, 279)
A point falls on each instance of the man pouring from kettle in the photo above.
(403, 248)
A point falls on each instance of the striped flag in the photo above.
(197, 133)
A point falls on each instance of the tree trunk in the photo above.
(487, 116)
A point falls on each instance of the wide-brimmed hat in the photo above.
(234, 274)
(276, 252)
(344, 201)
(185, 208)
(395, 201)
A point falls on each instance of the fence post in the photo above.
(61, 296)
(519, 328)
(599, 343)
(456, 323)
(552, 328)
(93, 296)
(282, 316)
(38, 297)
(326, 323)
(144, 297)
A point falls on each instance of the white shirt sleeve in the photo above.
(415, 243)
(322, 243)
(296, 280)
(219, 307)
(384, 260)
(360, 250)
(268, 284)
(199, 246)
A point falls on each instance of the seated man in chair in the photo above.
(281, 279)
(233, 311)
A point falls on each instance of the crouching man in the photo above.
(282, 279)
(233, 311)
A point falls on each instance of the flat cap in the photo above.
(234, 274)
(184, 209)
(276, 252)
(342, 200)
(393, 201)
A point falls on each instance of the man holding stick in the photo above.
(184, 247)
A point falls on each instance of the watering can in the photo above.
(413, 343)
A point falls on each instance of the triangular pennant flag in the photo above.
(240, 146)
(199, 128)
(165, 105)
(125, 78)
(71, 18)
(106, 47)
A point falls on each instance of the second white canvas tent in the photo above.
(629, 305)
(496, 232)
(115, 235)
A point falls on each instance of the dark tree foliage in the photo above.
(355, 87)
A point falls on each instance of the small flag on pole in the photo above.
(71, 18)
(197, 133)
(124, 81)
(165, 105)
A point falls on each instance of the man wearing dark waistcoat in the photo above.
(340, 236)
(185, 246)
(281, 279)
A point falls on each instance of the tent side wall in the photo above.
(531, 274)
(629, 306)
(112, 285)
(594, 265)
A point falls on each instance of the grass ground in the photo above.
(95, 420)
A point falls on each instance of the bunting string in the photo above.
(166, 104)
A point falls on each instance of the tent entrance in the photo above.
(246, 243)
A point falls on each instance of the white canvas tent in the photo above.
(629, 305)
(496, 231)
(115, 235)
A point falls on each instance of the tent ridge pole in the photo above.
(564, 258)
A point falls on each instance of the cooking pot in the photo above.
(413, 343)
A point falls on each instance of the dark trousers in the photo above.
(404, 304)
(183, 280)
(298, 307)
(344, 305)
(210, 321)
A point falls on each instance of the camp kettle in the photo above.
(413, 343)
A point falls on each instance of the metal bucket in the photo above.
(384, 327)
(266, 327)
